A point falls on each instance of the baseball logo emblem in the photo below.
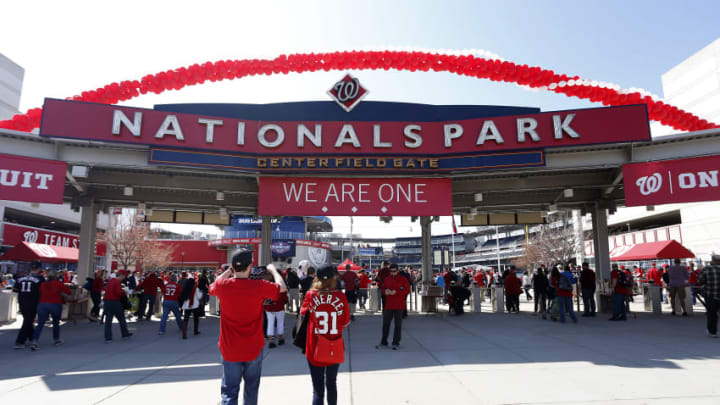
(347, 92)
(649, 184)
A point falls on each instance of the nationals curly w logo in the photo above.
(347, 92)
(649, 184)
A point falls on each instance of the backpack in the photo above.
(88, 284)
(564, 282)
(624, 280)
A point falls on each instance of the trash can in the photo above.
(655, 293)
(374, 299)
(214, 305)
(498, 299)
(8, 306)
(478, 295)
(688, 299)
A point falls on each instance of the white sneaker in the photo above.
(59, 342)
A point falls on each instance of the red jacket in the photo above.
(98, 284)
(512, 285)
(402, 289)
(328, 315)
(277, 306)
(655, 275)
(113, 290)
(150, 285)
(364, 281)
(50, 292)
(171, 291)
(479, 279)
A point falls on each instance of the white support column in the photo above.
(266, 243)
(579, 236)
(602, 256)
(428, 304)
(88, 235)
(600, 243)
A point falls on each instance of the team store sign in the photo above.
(355, 197)
(672, 181)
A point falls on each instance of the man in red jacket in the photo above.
(149, 287)
(113, 308)
(394, 288)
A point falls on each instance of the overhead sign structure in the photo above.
(672, 181)
(322, 145)
(31, 180)
(354, 196)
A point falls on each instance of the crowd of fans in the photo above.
(255, 300)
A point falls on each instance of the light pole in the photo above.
(182, 262)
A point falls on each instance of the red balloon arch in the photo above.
(465, 65)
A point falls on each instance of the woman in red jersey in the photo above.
(328, 314)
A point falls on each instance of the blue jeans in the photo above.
(588, 301)
(114, 309)
(323, 377)
(236, 371)
(44, 311)
(566, 305)
(618, 301)
(170, 306)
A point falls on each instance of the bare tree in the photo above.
(153, 255)
(125, 241)
(553, 243)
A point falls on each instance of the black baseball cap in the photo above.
(241, 258)
(35, 265)
(325, 272)
(393, 267)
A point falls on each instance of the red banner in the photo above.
(111, 123)
(31, 180)
(672, 181)
(354, 196)
(14, 234)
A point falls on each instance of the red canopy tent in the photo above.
(28, 252)
(353, 266)
(669, 249)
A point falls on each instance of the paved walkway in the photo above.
(474, 359)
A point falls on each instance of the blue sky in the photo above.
(68, 47)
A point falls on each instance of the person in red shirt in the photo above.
(350, 280)
(394, 288)
(655, 275)
(693, 281)
(363, 285)
(241, 319)
(620, 291)
(52, 293)
(149, 286)
(171, 291)
(275, 311)
(379, 278)
(327, 312)
(479, 278)
(513, 290)
(113, 308)
(96, 294)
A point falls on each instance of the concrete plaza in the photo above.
(475, 359)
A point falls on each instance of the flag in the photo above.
(453, 223)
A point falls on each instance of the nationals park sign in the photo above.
(377, 138)
(404, 143)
